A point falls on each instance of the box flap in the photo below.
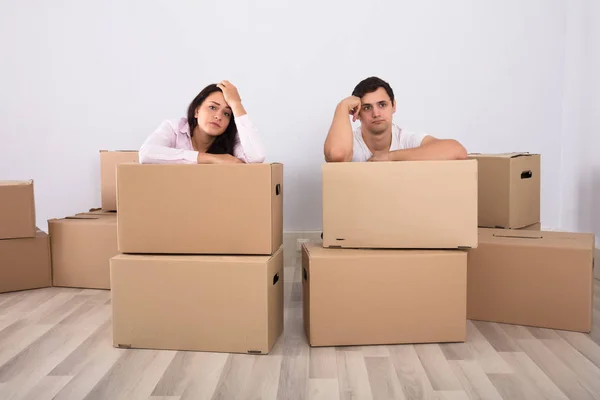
(316, 250)
(119, 151)
(502, 155)
(204, 258)
(16, 183)
(572, 240)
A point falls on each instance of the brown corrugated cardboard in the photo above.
(82, 246)
(541, 279)
(203, 303)
(362, 297)
(25, 263)
(409, 204)
(17, 210)
(200, 209)
(533, 227)
(108, 174)
(509, 189)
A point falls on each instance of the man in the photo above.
(378, 138)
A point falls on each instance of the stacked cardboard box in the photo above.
(542, 279)
(83, 244)
(24, 249)
(391, 268)
(202, 260)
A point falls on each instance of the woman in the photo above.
(217, 130)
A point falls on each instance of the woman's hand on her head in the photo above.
(230, 92)
(232, 97)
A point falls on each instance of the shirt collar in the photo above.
(184, 127)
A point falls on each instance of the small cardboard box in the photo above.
(204, 303)
(108, 174)
(200, 209)
(82, 246)
(364, 297)
(17, 210)
(542, 279)
(400, 205)
(25, 263)
(509, 189)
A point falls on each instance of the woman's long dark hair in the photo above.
(223, 143)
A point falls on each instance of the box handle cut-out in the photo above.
(518, 237)
(526, 174)
(276, 278)
(277, 189)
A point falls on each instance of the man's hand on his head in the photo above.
(353, 105)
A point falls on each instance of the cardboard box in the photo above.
(542, 279)
(17, 210)
(364, 297)
(509, 189)
(25, 263)
(108, 174)
(203, 303)
(409, 204)
(200, 209)
(82, 247)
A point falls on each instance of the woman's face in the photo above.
(214, 114)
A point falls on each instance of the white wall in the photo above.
(77, 77)
(580, 161)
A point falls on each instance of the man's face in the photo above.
(376, 112)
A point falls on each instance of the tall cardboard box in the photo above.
(509, 189)
(542, 279)
(364, 297)
(409, 204)
(17, 210)
(108, 174)
(203, 303)
(82, 246)
(25, 263)
(200, 209)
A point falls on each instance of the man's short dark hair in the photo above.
(371, 84)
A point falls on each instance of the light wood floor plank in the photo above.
(383, 379)
(474, 381)
(323, 389)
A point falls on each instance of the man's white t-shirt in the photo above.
(400, 140)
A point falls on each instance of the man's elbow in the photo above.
(337, 155)
(458, 150)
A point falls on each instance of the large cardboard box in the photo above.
(542, 279)
(108, 174)
(25, 263)
(509, 189)
(200, 209)
(204, 303)
(17, 210)
(364, 297)
(410, 204)
(82, 246)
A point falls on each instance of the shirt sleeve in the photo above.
(159, 148)
(410, 140)
(248, 146)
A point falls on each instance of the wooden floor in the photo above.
(56, 344)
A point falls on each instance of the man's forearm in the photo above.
(339, 142)
(444, 149)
